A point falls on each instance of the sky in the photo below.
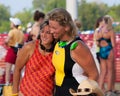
(19, 5)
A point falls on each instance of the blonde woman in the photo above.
(72, 58)
(106, 41)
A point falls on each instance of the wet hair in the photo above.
(38, 15)
(64, 18)
(108, 20)
(100, 19)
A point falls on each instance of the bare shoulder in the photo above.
(28, 47)
(82, 54)
(81, 45)
(112, 32)
(81, 48)
(35, 27)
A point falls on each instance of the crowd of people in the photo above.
(56, 61)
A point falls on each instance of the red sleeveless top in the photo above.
(39, 75)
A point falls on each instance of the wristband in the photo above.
(16, 94)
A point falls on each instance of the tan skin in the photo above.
(35, 28)
(83, 57)
(25, 54)
(81, 54)
(107, 65)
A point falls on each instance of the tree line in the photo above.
(87, 13)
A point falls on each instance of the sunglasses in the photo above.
(84, 90)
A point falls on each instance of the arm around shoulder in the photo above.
(22, 58)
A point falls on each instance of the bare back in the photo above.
(35, 30)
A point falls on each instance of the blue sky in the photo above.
(19, 5)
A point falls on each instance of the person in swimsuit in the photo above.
(72, 59)
(36, 56)
(105, 38)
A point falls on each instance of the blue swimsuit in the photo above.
(105, 51)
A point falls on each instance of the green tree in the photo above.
(39, 4)
(49, 5)
(115, 14)
(25, 16)
(89, 12)
(4, 18)
(5, 27)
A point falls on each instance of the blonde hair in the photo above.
(64, 19)
(108, 20)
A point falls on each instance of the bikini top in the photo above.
(107, 40)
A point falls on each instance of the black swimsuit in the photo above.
(105, 51)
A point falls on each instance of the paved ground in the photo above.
(117, 87)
